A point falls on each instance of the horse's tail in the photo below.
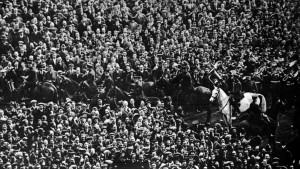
(263, 103)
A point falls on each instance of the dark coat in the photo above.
(185, 81)
(77, 77)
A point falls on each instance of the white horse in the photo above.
(225, 107)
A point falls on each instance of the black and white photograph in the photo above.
(149, 84)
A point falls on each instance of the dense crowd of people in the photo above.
(115, 42)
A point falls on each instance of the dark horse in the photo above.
(68, 88)
(86, 92)
(149, 88)
(114, 95)
(197, 100)
(42, 92)
(256, 122)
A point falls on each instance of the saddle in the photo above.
(237, 97)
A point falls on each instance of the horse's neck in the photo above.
(170, 88)
(223, 98)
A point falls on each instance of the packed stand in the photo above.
(256, 39)
(71, 136)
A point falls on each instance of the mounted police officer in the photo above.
(31, 79)
(12, 76)
(130, 80)
(91, 76)
(108, 82)
(235, 91)
(184, 79)
(50, 75)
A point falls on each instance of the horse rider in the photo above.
(3, 80)
(31, 79)
(41, 72)
(91, 76)
(108, 82)
(51, 75)
(184, 79)
(235, 92)
(143, 73)
(12, 76)
(130, 80)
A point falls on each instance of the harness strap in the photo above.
(224, 105)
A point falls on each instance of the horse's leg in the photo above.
(227, 116)
(55, 97)
(208, 115)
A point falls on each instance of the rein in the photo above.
(224, 105)
(221, 101)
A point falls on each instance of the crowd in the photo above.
(90, 40)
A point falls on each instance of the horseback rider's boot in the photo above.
(25, 93)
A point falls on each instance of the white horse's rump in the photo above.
(225, 107)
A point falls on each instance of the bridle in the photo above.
(217, 95)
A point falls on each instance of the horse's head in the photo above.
(83, 85)
(63, 81)
(214, 94)
(111, 92)
(162, 83)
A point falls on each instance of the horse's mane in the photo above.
(222, 92)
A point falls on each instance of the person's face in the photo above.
(50, 68)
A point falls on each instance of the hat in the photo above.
(41, 66)
(33, 101)
(43, 104)
(233, 73)
(184, 65)
(3, 71)
(60, 72)
(108, 162)
(155, 158)
(89, 65)
(130, 147)
(82, 150)
(53, 49)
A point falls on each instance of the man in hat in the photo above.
(31, 79)
(117, 75)
(5, 46)
(129, 79)
(12, 76)
(143, 73)
(185, 81)
(196, 78)
(90, 77)
(77, 75)
(70, 70)
(41, 72)
(20, 37)
(51, 75)
(36, 35)
(108, 82)
(33, 105)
